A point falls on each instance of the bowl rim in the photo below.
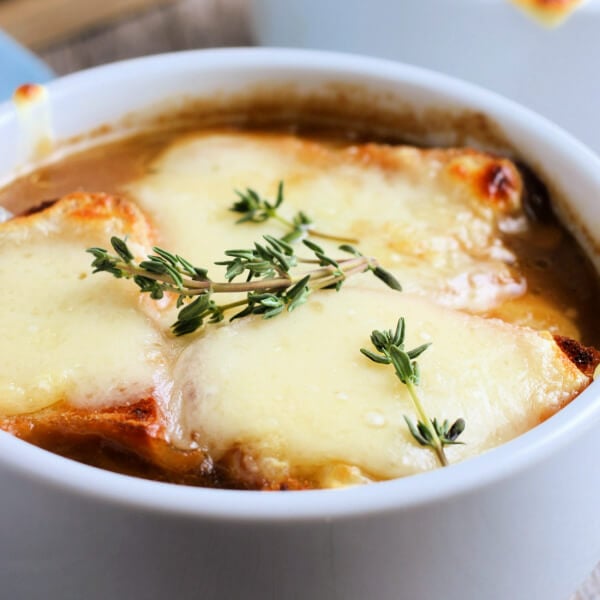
(511, 459)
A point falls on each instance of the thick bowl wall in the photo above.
(520, 521)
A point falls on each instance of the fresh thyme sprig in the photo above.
(427, 432)
(256, 209)
(269, 285)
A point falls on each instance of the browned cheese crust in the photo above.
(585, 358)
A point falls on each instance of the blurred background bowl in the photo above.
(489, 42)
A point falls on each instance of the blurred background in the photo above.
(546, 63)
(69, 35)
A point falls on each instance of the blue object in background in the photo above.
(17, 66)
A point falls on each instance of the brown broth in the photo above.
(103, 168)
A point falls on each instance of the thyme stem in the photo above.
(427, 432)
(436, 442)
(334, 238)
(196, 288)
(326, 275)
(256, 209)
(270, 285)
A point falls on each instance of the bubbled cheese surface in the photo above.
(68, 335)
(296, 393)
(430, 216)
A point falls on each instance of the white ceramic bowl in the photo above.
(489, 42)
(519, 522)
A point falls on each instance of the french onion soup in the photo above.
(376, 309)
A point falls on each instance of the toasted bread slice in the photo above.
(304, 404)
(128, 438)
(68, 336)
(83, 364)
(431, 216)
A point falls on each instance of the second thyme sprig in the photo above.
(256, 209)
(427, 432)
(268, 282)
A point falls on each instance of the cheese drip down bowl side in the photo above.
(520, 521)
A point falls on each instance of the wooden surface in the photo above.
(75, 34)
(39, 23)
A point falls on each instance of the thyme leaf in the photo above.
(256, 209)
(391, 351)
(269, 277)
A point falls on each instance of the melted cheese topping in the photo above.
(297, 396)
(432, 217)
(65, 334)
(291, 398)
